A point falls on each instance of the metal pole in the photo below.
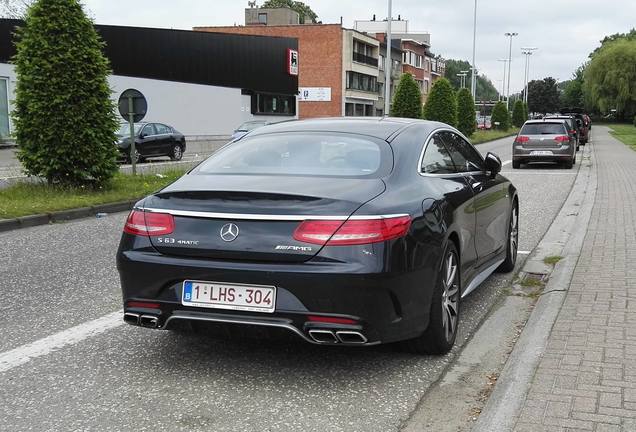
(511, 35)
(503, 84)
(473, 82)
(525, 75)
(131, 123)
(388, 63)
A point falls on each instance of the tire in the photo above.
(513, 241)
(574, 160)
(177, 152)
(516, 164)
(569, 164)
(441, 333)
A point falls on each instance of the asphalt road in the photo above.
(60, 277)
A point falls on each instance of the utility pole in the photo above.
(510, 35)
(388, 62)
(473, 82)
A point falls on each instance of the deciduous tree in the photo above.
(305, 12)
(543, 96)
(610, 78)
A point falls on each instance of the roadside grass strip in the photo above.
(25, 353)
(29, 198)
(625, 133)
(482, 136)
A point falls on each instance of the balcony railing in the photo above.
(361, 58)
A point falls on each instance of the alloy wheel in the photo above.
(177, 153)
(514, 234)
(450, 296)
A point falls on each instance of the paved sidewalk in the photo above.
(586, 380)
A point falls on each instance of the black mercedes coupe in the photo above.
(345, 231)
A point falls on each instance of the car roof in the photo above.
(378, 127)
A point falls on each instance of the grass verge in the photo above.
(482, 136)
(23, 199)
(625, 133)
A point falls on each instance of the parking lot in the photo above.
(128, 378)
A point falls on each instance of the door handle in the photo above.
(476, 185)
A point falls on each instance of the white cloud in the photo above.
(565, 31)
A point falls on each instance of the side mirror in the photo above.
(493, 163)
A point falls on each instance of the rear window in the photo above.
(303, 154)
(543, 129)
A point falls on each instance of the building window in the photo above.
(381, 60)
(418, 61)
(363, 82)
(349, 109)
(267, 104)
(426, 86)
(363, 53)
(262, 18)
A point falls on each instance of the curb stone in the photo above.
(565, 238)
(64, 215)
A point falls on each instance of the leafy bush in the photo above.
(64, 117)
(441, 105)
(466, 122)
(407, 101)
(518, 114)
(500, 115)
(634, 121)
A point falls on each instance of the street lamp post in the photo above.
(388, 63)
(510, 35)
(527, 52)
(503, 84)
(473, 77)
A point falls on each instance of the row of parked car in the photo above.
(554, 138)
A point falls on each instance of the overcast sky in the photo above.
(565, 31)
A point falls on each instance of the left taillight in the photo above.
(149, 224)
(352, 232)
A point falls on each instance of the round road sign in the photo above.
(133, 101)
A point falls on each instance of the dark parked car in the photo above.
(340, 231)
(572, 125)
(583, 126)
(151, 140)
(546, 140)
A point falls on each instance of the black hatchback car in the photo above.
(151, 140)
(340, 231)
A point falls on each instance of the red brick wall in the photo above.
(320, 60)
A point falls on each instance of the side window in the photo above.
(464, 155)
(162, 129)
(436, 158)
(149, 129)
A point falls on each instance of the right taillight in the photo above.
(149, 224)
(352, 232)
(562, 138)
(522, 139)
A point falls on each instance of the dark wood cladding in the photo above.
(257, 63)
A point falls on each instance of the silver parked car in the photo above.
(545, 140)
(247, 127)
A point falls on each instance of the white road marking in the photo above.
(506, 163)
(523, 252)
(25, 353)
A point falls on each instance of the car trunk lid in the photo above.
(246, 217)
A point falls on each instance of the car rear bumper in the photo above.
(379, 307)
(558, 155)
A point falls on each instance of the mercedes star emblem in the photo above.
(229, 232)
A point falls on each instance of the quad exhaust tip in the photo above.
(131, 318)
(351, 337)
(333, 337)
(323, 336)
(148, 321)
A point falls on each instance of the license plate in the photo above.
(216, 295)
(541, 153)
